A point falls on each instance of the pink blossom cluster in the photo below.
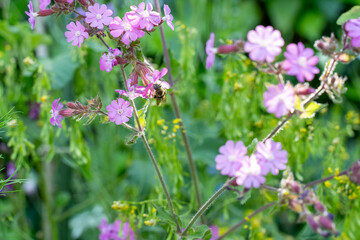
(250, 171)
(114, 231)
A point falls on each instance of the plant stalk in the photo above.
(185, 138)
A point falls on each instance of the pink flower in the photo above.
(119, 27)
(119, 111)
(98, 16)
(134, 90)
(231, 157)
(249, 174)
(56, 118)
(76, 33)
(210, 51)
(114, 231)
(44, 4)
(153, 79)
(271, 157)
(143, 19)
(352, 28)
(264, 43)
(108, 61)
(32, 15)
(300, 62)
(168, 17)
(279, 99)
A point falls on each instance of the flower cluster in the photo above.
(250, 171)
(115, 232)
(302, 200)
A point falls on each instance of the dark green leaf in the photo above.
(346, 16)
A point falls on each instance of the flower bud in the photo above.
(295, 205)
(344, 58)
(313, 224)
(61, 1)
(225, 49)
(233, 183)
(326, 45)
(120, 60)
(303, 89)
(46, 12)
(319, 206)
(66, 112)
(71, 105)
(327, 223)
(354, 172)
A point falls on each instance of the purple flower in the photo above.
(98, 16)
(55, 116)
(32, 15)
(154, 78)
(210, 51)
(76, 33)
(249, 174)
(143, 18)
(215, 232)
(271, 157)
(119, 111)
(134, 90)
(114, 231)
(119, 27)
(279, 99)
(352, 28)
(10, 170)
(108, 61)
(168, 17)
(44, 4)
(231, 157)
(300, 62)
(264, 43)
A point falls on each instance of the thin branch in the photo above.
(246, 219)
(206, 205)
(157, 169)
(185, 138)
(310, 184)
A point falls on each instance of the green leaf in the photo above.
(200, 232)
(346, 16)
(311, 109)
(165, 215)
(142, 114)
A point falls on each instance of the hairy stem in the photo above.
(185, 138)
(247, 218)
(310, 184)
(155, 163)
(206, 205)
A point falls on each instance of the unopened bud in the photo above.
(225, 49)
(71, 105)
(326, 45)
(319, 206)
(326, 223)
(344, 57)
(120, 60)
(313, 224)
(295, 205)
(66, 112)
(46, 12)
(354, 172)
(233, 183)
(61, 1)
(303, 89)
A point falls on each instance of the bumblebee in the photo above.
(159, 94)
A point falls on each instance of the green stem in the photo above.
(263, 208)
(206, 205)
(156, 165)
(185, 138)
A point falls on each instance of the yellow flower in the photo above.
(150, 222)
(176, 120)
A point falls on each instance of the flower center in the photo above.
(77, 33)
(145, 14)
(232, 157)
(127, 26)
(98, 16)
(120, 111)
(302, 61)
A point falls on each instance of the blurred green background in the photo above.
(68, 178)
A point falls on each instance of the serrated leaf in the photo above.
(346, 16)
(131, 139)
(246, 197)
(200, 232)
(165, 215)
(310, 110)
